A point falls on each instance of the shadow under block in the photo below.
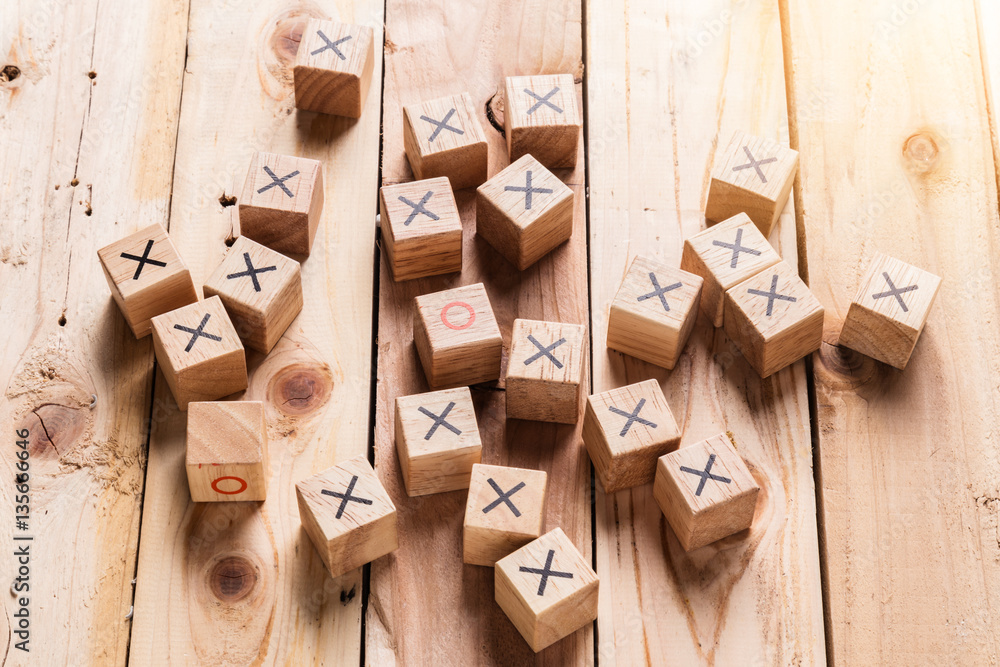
(524, 212)
(504, 511)
(281, 202)
(541, 118)
(443, 137)
(889, 311)
(725, 255)
(547, 589)
(705, 491)
(199, 352)
(146, 276)
(457, 336)
(753, 176)
(625, 431)
(261, 290)
(654, 311)
(546, 371)
(348, 515)
(421, 229)
(226, 457)
(333, 68)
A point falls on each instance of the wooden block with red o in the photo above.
(226, 451)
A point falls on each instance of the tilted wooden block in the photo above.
(546, 371)
(505, 510)
(199, 352)
(261, 290)
(774, 319)
(281, 202)
(421, 229)
(146, 276)
(333, 68)
(541, 117)
(889, 311)
(457, 336)
(547, 589)
(348, 515)
(524, 212)
(625, 431)
(753, 176)
(705, 491)
(443, 137)
(226, 456)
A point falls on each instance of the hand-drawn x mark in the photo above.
(439, 420)
(755, 164)
(419, 208)
(346, 497)
(737, 247)
(251, 272)
(632, 417)
(441, 125)
(659, 291)
(893, 291)
(772, 295)
(330, 45)
(546, 572)
(504, 497)
(542, 100)
(197, 333)
(706, 474)
(144, 260)
(528, 190)
(280, 182)
(544, 351)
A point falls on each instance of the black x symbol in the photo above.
(252, 272)
(439, 420)
(706, 475)
(544, 352)
(527, 190)
(755, 164)
(280, 182)
(737, 247)
(442, 125)
(198, 333)
(346, 497)
(893, 291)
(419, 208)
(504, 497)
(330, 45)
(632, 417)
(543, 100)
(772, 295)
(144, 260)
(659, 291)
(546, 572)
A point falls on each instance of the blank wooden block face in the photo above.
(541, 117)
(889, 311)
(505, 510)
(421, 229)
(547, 589)
(443, 137)
(546, 371)
(281, 202)
(333, 68)
(654, 311)
(625, 431)
(705, 491)
(524, 212)
(226, 456)
(146, 276)
(199, 352)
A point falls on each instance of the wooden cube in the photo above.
(541, 117)
(226, 455)
(421, 229)
(889, 311)
(457, 336)
(524, 212)
(705, 491)
(753, 176)
(654, 311)
(199, 352)
(261, 290)
(348, 515)
(443, 137)
(505, 510)
(547, 589)
(281, 202)
(724, 256)
(146, 276)
(333, 68)
(774, 319)
(546, 371)
(625, 431)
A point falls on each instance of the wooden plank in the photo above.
(664, 90)
(897, 158)
(425, 605)
(234, 583)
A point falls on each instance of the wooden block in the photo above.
(421, 229)
(505, 510)
(524, 212)
(199, 352)
(333, 68)
(541, 117)
(281, 202)
(457, 336)
(753, 176)
(889, 311)
(547, 589)
(625, 431)
(261, 290)
(724, 256)
(443, 137)
(546, 371)
(774, 319)
(226, 456)
(654, 311)
(348, 515)
(705, 491)
(146, 276)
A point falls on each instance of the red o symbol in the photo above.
(243, 486)
(458, 327)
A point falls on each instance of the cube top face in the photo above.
(542, 100)
(141, 260)
(525, 191)
(280, 183)
(457, 317)
(547, 571)
(420, 209)
(511, 500)
(230, 431)
(756, 165)
(775, 300)
(707, 474)
(196, 333)
(657, 293)
(253, 275)
(732, 250)
(634, 416)
(552, 352)
(335, 47)
(438, 422)
(898, 291)
(345, 497)
(443, 124)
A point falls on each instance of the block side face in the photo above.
(368, 542)
(712, 299)
(566, 617)
(543, 400)
(877, 336)
(328, 92)
(485, 546)
(596, 441)
(227, 482)
(552, 228)
(493, 225)
(554, 146)
(286, 232)
(724, 519)
(172, 292)
(427, 255)
(212, 379)
(794, 342)
(673, 504)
